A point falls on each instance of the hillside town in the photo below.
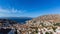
(47, 24)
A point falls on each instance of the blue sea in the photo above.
(20, 20)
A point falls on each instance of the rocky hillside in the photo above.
(45, 19)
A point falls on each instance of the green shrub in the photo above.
(46, 33)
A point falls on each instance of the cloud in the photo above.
(10, 12)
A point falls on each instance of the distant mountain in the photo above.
(20, 20)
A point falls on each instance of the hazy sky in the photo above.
(28, 8)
